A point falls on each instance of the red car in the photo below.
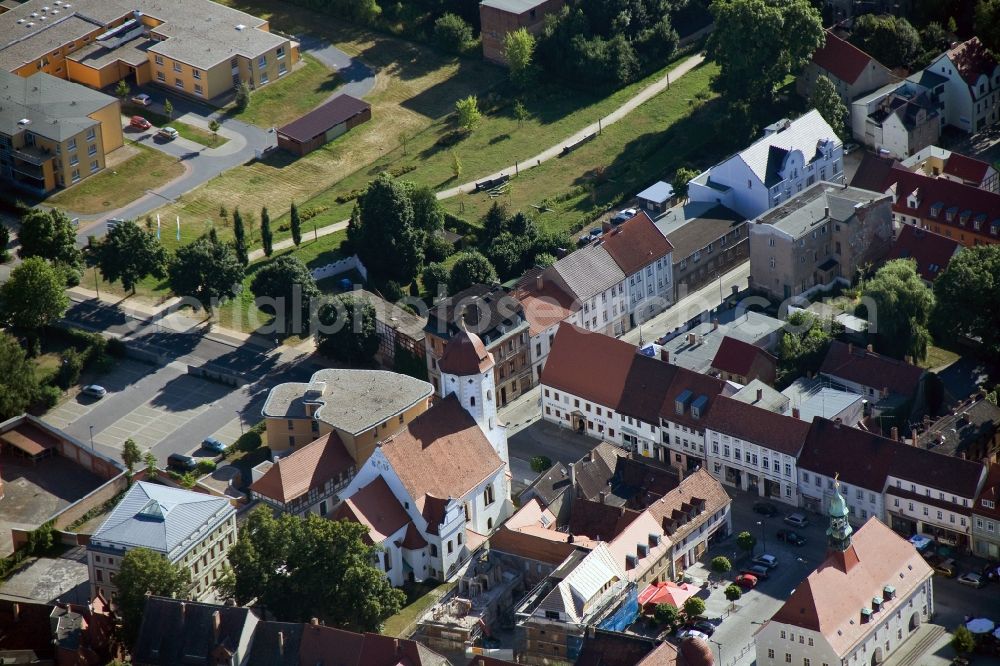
(746, 581)
(139, 122)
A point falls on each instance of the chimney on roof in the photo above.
(664, 354)
(395, 645)
(826, 211)
(894, 434)
(795, 413)
(760, 394)
(602, 496)
(539, 282)
(183, 609)
(572, 475)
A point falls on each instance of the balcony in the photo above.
(32, 155)
(30, 170)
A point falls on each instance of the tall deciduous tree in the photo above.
(428, 216)
(205, 270)
(383, 231)
(292, 286)
(468, 112)
(49, 235)
(968, 297)
(240, 238)
(32, 298)
(827, 101)
(129, 253)
(131, 455)
(746, 541)
(348, 330)
(519, 49)
(889, 39)
(471, 268)
(296, 224)
(18, 385)
(143, 572)
(266, 237)
(435, 279)
(987, 24)
(168, 109)
(300, 568)
(903, 309)
(758, 43)
(682, 177)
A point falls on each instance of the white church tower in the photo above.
(467, 371)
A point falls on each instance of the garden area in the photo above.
(301, 90)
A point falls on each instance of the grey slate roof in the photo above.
(56, 108)
(183, 632)
(163, 519)
(513, 6)
(588, 271)
(693, 234)
(816, 205)
(805, 133)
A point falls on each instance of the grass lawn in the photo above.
(299, 91)
(47, 366)
(113, 188)
(197, 134)
(419, 598)
(938, 358)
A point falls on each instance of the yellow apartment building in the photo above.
(54, 133)
(197, 48)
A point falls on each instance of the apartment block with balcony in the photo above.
(54, 134)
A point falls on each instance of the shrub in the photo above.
(733, 592)
(452, 33)
(49, 396)
(694, 606)
(540, 463)
(69, 371)
(116, 348)
(206, 466)
(242, 100)
(665, 614)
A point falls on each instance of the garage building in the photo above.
(322, 124)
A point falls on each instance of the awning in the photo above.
(667, 593)
(980, 625)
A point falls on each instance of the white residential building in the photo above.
(972, 91)
(791, 156)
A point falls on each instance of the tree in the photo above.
(131, 455)
(758, 43)
(266, 237)
(300, 568)
(801, 351)
(682, 177)
(437, 248)
(168, 109)
(962, 641)
(206, 271)
(666, 615)
(903, 309)
(540, 463)
(721, 565)
(435, 279)
(143, 572)
(383, 231)
(891, 40)
(544, 260)
(289, 283)
(49, 235)
(452, 33)
(987, 24)
(456, 165)
(519, 49)
(827, 101)
(746, 542)
(295, 223)
(129, 253)
(428, 216)
(18, 385)
(32, 298)
(4, 242)
(694, 607)
(733, 592)
(471, 268)
(122, 89)
(240, 238)
(520, 112)
(151, 465)
(468, 113)
(242, 99)
(494, 222)
(967, 295)
(348, 330)
(213, 127)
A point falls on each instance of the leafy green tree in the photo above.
(122, 90)
(213, 127)
(721, 565)
(18, 384)
(240, 238)
(49, 235)
(471, 268)
(452, 33)
(428, 215)
(468, 113)
(967, 295)
(32, 298)
(746, 542)
(494, 222)
(733, 592)
(962, 641)
(4, 242)
(348, 331)
(296, 224)
(131, 455)
(266, 237)
(437, 248)
(288, 281)
(694, 607)
(803, 349)
(456, 165)
(544, 260)
(521, 112)
(540, 463)
(435, 279)
(827, 101)
(519, 49)
(206, 271)
(151, 465)
(129, 253)
(383, 231)
(758, 43)
(168, 109)
(987, 24)
(666, 615)
(300, 568)
(143, 572)
(682, 177)
(903, 309)
(242, 99)
(889, 39)
(507, 253)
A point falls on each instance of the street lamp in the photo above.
(239, 415)
(91, 437)
(718, 645)
(763, 535)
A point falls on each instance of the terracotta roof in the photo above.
(699, 485)
(413, 540)
(840, 58)
(742, 358)
(989, 493)
(972, 60)
(695, 652)
(589, 365)
(857, 364)
(442, 453)
(932, 252)
(465, 354)
(545, 305)
(601, 522)
(375, 507)
(664, 655)
(533, 546)
(305, 469)
(758, 426)
(294, 644)
(636, 243)
(873, 173)
(965, 167)
(865, 459)
(612, 648)
(830, 600)
(941, 198)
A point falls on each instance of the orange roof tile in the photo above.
(545, 303)
(636, 243)
(841, 58)
(307, 468)
(375, 507)
(465, 354)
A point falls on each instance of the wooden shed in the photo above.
(322, 124)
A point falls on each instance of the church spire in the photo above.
(840, 530)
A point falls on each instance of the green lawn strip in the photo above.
(420, 597)
(197, 134)
(938, 357)
(299, 91)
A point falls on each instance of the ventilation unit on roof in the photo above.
(28, 24)
(45, 9)
(41, 18)
(54, 12)
(58, 3)
(20, 21)
(241, 27)
(24, 122)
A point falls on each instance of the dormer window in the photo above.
(950, 214)
(963, 219)
(936, 209)
(977, 223)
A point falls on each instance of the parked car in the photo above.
(704, 626)
(596, 232)
(168, 133)
(765, 509)
(139, 123)
(850, 147)
(765, 560)
(797, 519)
(94, 391)
(789, 536)
(946, 568)
(624, 215)
(213, 445)
(746, 581)
(991, 571)
(972, 579)
(142, 99)
(758, 570)
(691, 633)
(181, 462)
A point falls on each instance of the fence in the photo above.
(340, 266)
